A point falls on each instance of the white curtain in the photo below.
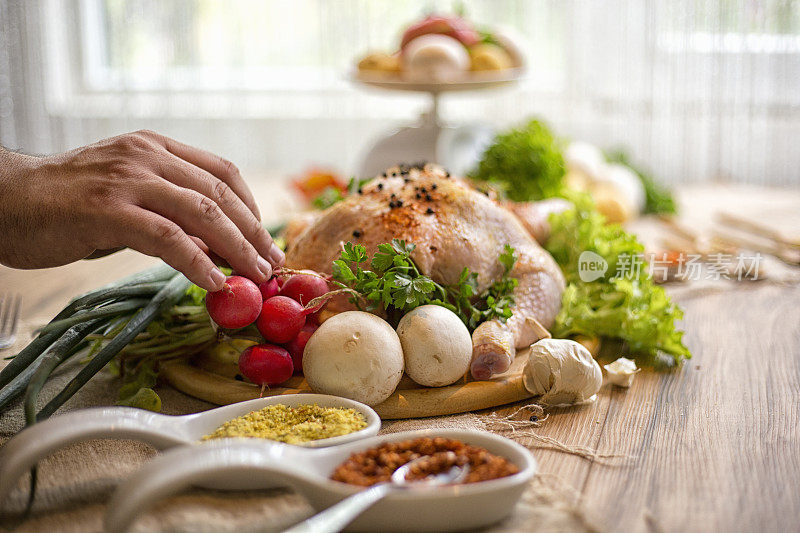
(696, 90)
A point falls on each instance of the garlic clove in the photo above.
(621, 372)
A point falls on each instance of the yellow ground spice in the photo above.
(292, 425)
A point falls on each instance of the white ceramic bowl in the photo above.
(240, 464)
(20, 453)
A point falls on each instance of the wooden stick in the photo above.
(786, 255)
(749, 226)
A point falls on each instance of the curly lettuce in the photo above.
(624, 303)
(525, 163)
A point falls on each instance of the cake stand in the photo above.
(457, 147)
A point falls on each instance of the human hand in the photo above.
(139, 190)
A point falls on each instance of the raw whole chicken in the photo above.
(453, 226)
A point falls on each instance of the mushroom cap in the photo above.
(437, 346)
(355, 355)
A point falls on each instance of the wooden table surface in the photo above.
(712, 446)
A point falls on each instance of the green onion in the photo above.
(54, 356)
(24, 358)
(112, 309)
(18, 385)
(166, 297)
(141, 289)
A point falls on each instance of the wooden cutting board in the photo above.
(408, 401)
(215, 383)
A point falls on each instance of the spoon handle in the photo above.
(336, 517)
(23, 451)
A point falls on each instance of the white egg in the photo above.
(435, 57)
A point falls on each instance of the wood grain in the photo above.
(717, 440)
(715, 444)
(408, 402)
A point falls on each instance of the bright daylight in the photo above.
(399, 266)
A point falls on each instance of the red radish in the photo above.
(296, 346)
(281, 319)
(455, 27)
(266, 364)
(269, 288)
(236, 305)
(304, 287)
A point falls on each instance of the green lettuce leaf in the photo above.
(624, 303)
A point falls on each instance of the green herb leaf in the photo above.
(144, 398)
(525, 163)
(507, 258)
(136, 390)
(196, 295)
(329, 196)
(658, 199)
(396, 284)
(342, 271)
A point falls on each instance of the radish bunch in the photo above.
(278, 307)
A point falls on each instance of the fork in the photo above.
(9, 315)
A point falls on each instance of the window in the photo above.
(698, 90)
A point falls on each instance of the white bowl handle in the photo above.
(178, 469)
(335, 518)
(32, 444)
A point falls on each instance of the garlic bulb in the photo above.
(561, 372)
(621, 372)
(626, 182)
(585, 158)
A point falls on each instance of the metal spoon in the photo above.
(336, 518)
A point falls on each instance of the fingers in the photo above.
(155, 235)
(200, 216)
(189, 176)
(221, 168)
(217, 260)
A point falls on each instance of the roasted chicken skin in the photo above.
(454, 226)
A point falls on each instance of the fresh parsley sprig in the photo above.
(393, 282)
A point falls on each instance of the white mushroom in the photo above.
(621, 372)
(561, 371)
(355, 355)
(437, 346)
